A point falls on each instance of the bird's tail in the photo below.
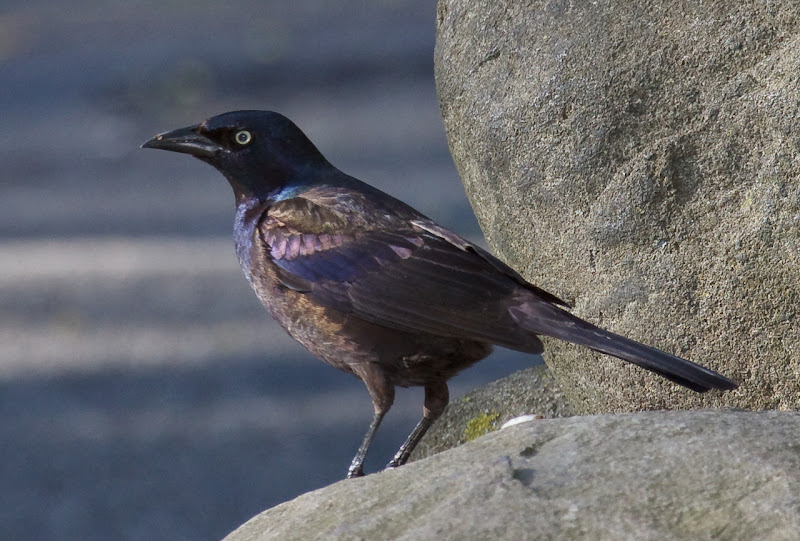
(546, 319)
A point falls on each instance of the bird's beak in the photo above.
(185, 140)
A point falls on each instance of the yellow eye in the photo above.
(243, 137)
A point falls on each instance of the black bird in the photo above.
(372, 286)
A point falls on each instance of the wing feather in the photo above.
(400, 275)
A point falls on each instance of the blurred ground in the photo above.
(144, 393)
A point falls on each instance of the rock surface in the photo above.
(532, 391)
(640, 160)
(653, 475)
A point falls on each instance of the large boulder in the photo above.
(655, 475)
(641, 160)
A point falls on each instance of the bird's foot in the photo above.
(356, 470)
(395, 462)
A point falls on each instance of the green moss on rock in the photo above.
(481, 425)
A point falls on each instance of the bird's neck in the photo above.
(275, 185)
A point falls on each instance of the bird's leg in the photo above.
(436, 398)
(357, 466)
(413, 439)
(382, 393)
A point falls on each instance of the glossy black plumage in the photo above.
(372, 286)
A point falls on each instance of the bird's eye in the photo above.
(243, 137)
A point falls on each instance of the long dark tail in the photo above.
(541, 317)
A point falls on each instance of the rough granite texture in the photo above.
(532, 391)
(646, 476)
(641, 160)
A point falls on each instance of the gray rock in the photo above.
(640, 160)
(654, 475)
(533, 391)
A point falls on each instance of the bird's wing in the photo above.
(409, 274)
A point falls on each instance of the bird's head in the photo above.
(259, 152)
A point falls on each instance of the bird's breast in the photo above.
(245, 225)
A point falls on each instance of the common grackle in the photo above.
(372, 286)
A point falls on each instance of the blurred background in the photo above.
(144, 392)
